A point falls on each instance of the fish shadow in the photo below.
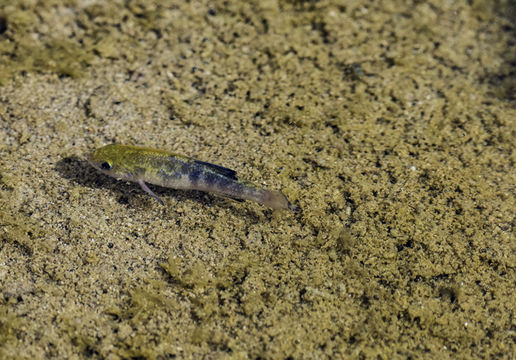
(80, 172)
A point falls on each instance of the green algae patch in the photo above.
(192, 276)
(197, 276)
(23, 50)
(11, 328)
(15, 226)
(21, 230)
(61, 57)
(205, 287)
(146, 300)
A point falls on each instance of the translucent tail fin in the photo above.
(277, 200)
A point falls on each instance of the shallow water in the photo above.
(391, 126)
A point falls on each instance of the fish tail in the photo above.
(224, 182)
(276, 200)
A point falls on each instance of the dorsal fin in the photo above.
(219, 169)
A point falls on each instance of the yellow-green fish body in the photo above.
(145, 165)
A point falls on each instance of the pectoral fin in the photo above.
(149, 191)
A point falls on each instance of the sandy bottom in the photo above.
(392, 126)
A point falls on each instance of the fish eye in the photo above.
(105, 165)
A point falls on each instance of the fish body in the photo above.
(158, 167)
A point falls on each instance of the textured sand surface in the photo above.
(391, 124)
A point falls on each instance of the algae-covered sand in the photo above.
(392, 125)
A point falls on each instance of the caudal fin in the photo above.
(277, 200)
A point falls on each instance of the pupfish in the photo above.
(159, 167)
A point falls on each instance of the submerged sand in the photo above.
(391, 124)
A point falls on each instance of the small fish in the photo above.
(145, 165)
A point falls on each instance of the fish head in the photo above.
(111, 160)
